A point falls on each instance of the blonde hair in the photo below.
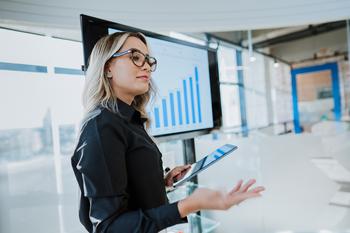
(98, 90)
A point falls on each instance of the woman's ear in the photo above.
(109, 74)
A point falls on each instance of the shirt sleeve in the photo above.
(104, 217)
(103, 169)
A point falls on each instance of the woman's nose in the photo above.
(146, 67)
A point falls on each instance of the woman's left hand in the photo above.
(176, 174)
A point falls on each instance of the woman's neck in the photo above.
(126, 99)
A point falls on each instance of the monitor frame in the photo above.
(93, 29)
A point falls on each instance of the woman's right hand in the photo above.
(203, 198)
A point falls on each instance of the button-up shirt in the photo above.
(119, 171)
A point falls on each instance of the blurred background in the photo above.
(285, 98)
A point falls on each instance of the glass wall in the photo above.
(281, 93)
(255, 90)
(41, 85)
(229, 87)
(266, 88)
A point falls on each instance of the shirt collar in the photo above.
(129, 112)
(125, 109)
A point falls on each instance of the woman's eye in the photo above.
(136, 57)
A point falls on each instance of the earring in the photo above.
(109, 75)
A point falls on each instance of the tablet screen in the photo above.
(206, 162)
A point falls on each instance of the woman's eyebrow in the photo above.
(139, 51)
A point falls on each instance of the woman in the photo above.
(117, 165)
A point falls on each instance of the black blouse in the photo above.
(119, 171)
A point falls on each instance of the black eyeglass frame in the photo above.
(147, 57)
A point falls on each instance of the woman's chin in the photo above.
(142, 91)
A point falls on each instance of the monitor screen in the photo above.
(186, 80)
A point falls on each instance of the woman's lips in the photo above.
(144, 77)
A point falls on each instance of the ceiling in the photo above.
(271, 21)
(181, 15)
(269, 37)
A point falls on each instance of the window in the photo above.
(255, 90)
(229, 87)
(40, 98)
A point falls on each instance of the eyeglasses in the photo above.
(138, 58)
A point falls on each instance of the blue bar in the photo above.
(297, 127)
(156, 116)
(22, 67)
(179, 106)
(186, 104)
(198, 95)
(172, 108)
(165, 115)
(61, 70)
(192, 101)
(336, 92)
(220, 151)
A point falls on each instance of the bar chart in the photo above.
(181, 106)
(182, 100)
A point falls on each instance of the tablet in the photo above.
(206, 162)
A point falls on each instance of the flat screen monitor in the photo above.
(186, 79)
